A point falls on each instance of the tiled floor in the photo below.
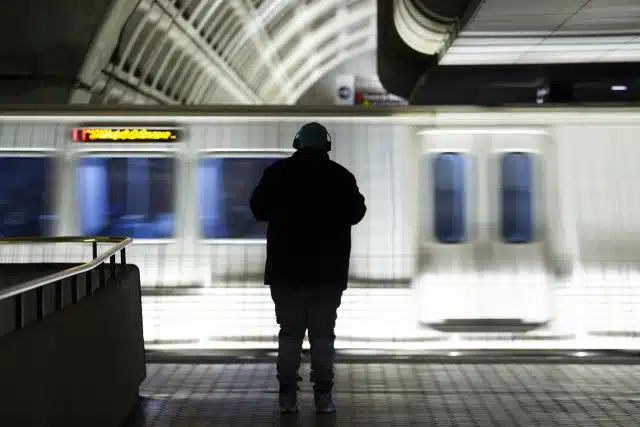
(397, 394)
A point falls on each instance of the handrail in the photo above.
(65, 239)
(42, 281)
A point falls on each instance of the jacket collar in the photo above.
(311, 154)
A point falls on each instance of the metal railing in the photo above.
(18, 291)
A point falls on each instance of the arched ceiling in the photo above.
(228, 51)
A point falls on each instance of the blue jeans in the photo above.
(298, 310)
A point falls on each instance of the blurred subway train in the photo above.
(485, 228)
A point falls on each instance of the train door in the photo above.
(483, 235)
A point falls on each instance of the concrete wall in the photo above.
(364, 67)
(44, 46)
(79, 366)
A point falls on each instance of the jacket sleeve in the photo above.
(261, 199)
(356, 202)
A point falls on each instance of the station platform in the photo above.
(86, 321)
(220, 391)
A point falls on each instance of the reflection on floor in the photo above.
(232, 317)
(398, 394)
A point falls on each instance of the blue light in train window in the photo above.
(517, 197)
(132, 197)
(449, 197)
(26, 196)
(225, 187)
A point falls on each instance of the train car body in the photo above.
(485, 228)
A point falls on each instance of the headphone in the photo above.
(297, 143)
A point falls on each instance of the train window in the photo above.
(517, 197)
(225, 187)
(449, 197)
(26, 196)
(127, 196)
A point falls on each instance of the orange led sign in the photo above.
(113, 134)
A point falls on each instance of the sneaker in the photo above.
(324, 403)
(288, 402)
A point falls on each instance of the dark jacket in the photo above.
(310, 203)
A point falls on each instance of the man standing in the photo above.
(310, 203)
